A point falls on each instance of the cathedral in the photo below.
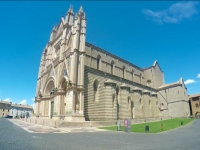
(82, 82)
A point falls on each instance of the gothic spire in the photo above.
(69, 16)
(80, 12)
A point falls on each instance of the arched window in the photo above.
(123, 71)
(112, 67)
(150, 104)
(95, 89)
(140, 101)
(98, 62)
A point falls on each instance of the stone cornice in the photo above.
(126, 80)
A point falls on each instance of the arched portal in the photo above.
(49, 91)
(49, 88)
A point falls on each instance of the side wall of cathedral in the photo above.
(112, 94)
(134, 99)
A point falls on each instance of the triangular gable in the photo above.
(182, 82)
(156, 64)
(60, 28)
(64, 73)
(51, 73)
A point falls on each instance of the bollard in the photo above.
(162, 126)
(118, 125)
(147, 128)
(181, 122)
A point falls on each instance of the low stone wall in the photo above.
(45, 122)
(77, 124)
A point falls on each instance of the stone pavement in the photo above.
(36, 128)
(13, 137)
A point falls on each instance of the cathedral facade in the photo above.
(80, 81)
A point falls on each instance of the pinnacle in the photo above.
(81, 10)
(70, 10)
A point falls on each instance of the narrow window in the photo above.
(123, 72)
(132, 75)
(150, 104)
(112, 67)
(113, 100)
(140, 101)
(95, 88)
(128, 102)
(98, 62)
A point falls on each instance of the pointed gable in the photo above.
(60, 28)
(155, 64)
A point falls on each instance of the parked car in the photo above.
(8, 116)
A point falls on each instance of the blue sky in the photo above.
(140, 32)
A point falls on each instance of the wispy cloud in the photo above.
(174, 14)
(7, 99)
(33, 99)
(189, 81)
(198, 76)
(22, 102)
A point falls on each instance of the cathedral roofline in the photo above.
(154, 64)
(104, 51)
(173, 84)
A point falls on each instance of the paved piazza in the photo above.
(18, 135)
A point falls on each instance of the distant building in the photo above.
(21, 111)
(4, 108)
(15, 110)
(195, 105)
(81, 81)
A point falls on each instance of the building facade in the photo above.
(21, 111)
(15, 110)
(4, 108)
(81, 81)
(195, 105)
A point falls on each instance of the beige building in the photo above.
(195, 104)
(81, 81)
(4, 108)
(15, 110)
